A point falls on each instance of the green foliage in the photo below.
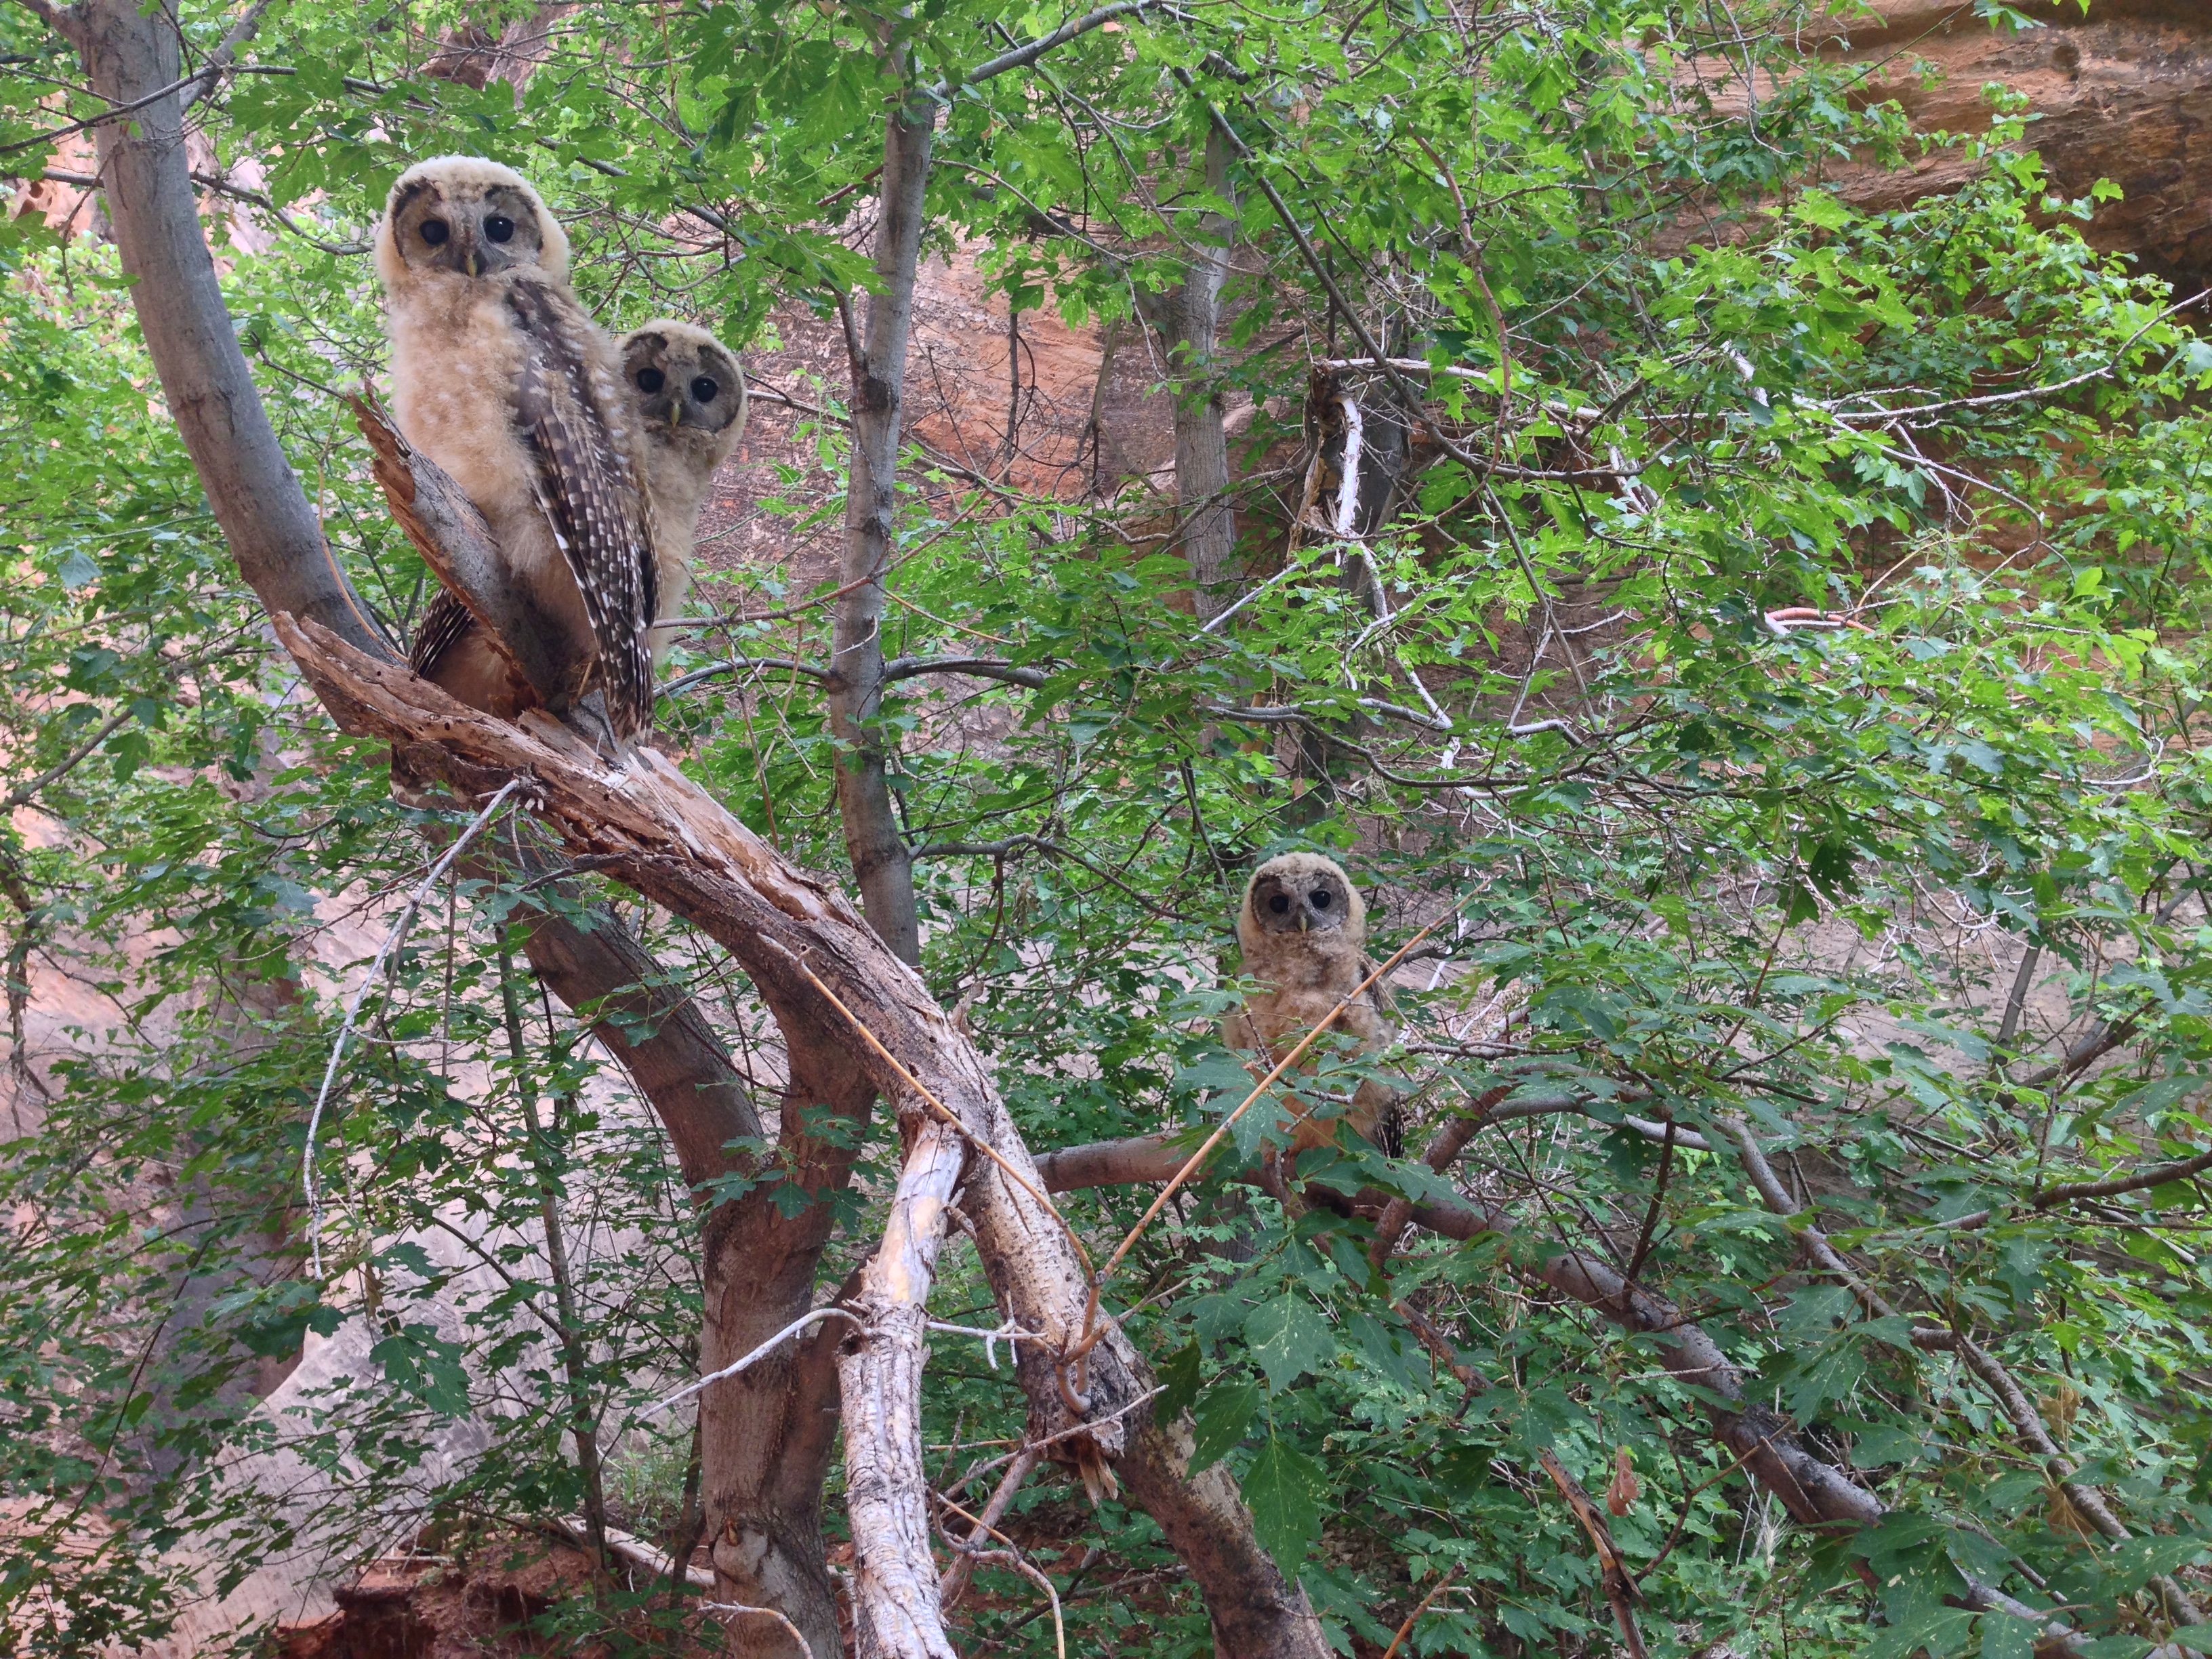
(1728, 869)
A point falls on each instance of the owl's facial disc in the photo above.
(681, 386)
(472, 233)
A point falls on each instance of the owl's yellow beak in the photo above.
(475, 265)
(676, 411)
(1302, 920)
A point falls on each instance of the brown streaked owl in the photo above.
(690, 392)
(1305, 932)
(501, 378)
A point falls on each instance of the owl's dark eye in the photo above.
(706, 388)
(650, 381)
(498, 228)
(1279, 904)
(1320, 898)
(434, 232)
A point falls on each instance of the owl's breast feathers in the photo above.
(589, 488)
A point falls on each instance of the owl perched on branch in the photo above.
(501, 378)
(690, 396)
(1305, 932)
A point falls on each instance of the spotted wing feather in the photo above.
(591, 494)
(444, 625)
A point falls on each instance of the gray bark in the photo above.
(881, 862)
(1190, 318)
(256, 498)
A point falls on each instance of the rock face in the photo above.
(2124, 93)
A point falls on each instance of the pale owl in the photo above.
(1303, 930)
(501, 378)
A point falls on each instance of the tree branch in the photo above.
(644, 822)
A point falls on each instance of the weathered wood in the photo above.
(897, 1605)
(457, 544)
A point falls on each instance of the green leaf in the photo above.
(1283, 1490)
(1288, 1338)
(1224, 1415)
(2005, 1637)
(1179, 1378)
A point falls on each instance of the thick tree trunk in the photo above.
(881, 863)
(766, 1435)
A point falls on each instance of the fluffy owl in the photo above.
(690, 394)
(501, 378)
(686, 395)
(1304, 933)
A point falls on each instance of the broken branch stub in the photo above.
(457, 546)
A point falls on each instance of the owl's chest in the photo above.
(1300, 1007)
(458, 359)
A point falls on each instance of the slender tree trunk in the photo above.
(1191, 319)
(256, 498)
(768, 1433)
(881, 863)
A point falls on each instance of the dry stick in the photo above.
(1013, 1553)
(754, 1357)
(1414, 1618)
(954, 1582)
(1091, 1329)
(353, 1011)
(946, 1116)
(1619, 1589)
(731, 1609)
(982, 1470)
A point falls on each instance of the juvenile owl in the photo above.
(1305, 932)
(501, 378)
(687, 400)
(691, 395)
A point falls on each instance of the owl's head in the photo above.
(682, 380)
(1303, 893)
(464, 216)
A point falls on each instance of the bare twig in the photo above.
(1414, 1618)
(814, 1316)
(353, 1009)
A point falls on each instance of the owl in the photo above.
(501, 378)
(690, 395)
(1304, 933)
